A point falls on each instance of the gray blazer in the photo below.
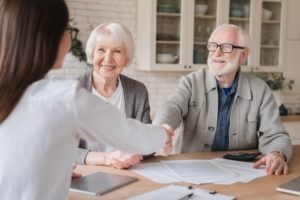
(136, 105)
(254, 120)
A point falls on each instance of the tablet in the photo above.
(100, 183)
(292, 186)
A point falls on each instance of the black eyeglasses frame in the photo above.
(72, 31)
(221, 48)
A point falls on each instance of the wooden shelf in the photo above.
(165, 14)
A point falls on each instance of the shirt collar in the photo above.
(232, 88)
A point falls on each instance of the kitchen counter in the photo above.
(290, 118)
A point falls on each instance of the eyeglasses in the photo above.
(72, 31)
(225, 48)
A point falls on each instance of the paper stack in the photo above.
(217, 171)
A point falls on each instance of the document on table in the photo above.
(156, 172)
(218, 171)
(244, 171)
(198, 171)
(176, 192)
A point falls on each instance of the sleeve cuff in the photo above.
(81, 155)
(282, 155)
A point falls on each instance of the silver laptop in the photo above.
(292, 186)
(100, 183)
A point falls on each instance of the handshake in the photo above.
(124, 160)
(168, 147)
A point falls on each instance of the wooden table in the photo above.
(262, 188)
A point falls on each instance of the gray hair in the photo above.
(243, 36)
(116, 32)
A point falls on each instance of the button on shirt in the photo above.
(226, 96)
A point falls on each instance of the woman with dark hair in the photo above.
(41, 120)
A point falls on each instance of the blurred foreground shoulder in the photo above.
(55, 89)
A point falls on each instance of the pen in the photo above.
(186, 196)
(204, 190)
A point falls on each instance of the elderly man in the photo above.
(223, 108)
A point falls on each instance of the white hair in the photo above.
(115, 32)
(243, 36)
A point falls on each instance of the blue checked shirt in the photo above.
(226, 96)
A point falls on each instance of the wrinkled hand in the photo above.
(168, 147)
(116, 159)
(75, 174)
(123, 160)
(274, 162)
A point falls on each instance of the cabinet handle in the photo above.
(185, 66)
(190, 66)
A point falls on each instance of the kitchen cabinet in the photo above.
(269, 49)
(293, 15)
(291, 98)
(265, 21)
(172, 34)
(292, 125)
(166, 29)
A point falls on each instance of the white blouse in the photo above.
(38, 140)
(116, 99)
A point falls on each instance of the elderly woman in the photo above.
(110, 49)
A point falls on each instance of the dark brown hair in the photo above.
(30, 35)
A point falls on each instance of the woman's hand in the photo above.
(123, 160)
(116, 159)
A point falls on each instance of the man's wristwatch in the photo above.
(282, 155)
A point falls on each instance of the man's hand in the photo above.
(74, 174)
(116, 159)
(167, 149)
(274, 162)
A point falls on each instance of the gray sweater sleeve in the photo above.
(80, 156)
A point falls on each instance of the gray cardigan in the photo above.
(136, 105)
(254, 120)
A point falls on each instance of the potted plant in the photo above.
(276, 81)
(76, 46)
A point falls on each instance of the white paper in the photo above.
(199, 171)
(217, 171)
(156, 172)
(244, 170)
(175, 192)
(171, 192)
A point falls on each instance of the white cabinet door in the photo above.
(202, 26)
(264, 20)
(270, 42)
(293, 17)
(172, 34)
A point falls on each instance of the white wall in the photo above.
(88, 14)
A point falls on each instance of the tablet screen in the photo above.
(100, 183)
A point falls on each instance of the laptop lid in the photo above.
(292, 186)
(100, 183)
